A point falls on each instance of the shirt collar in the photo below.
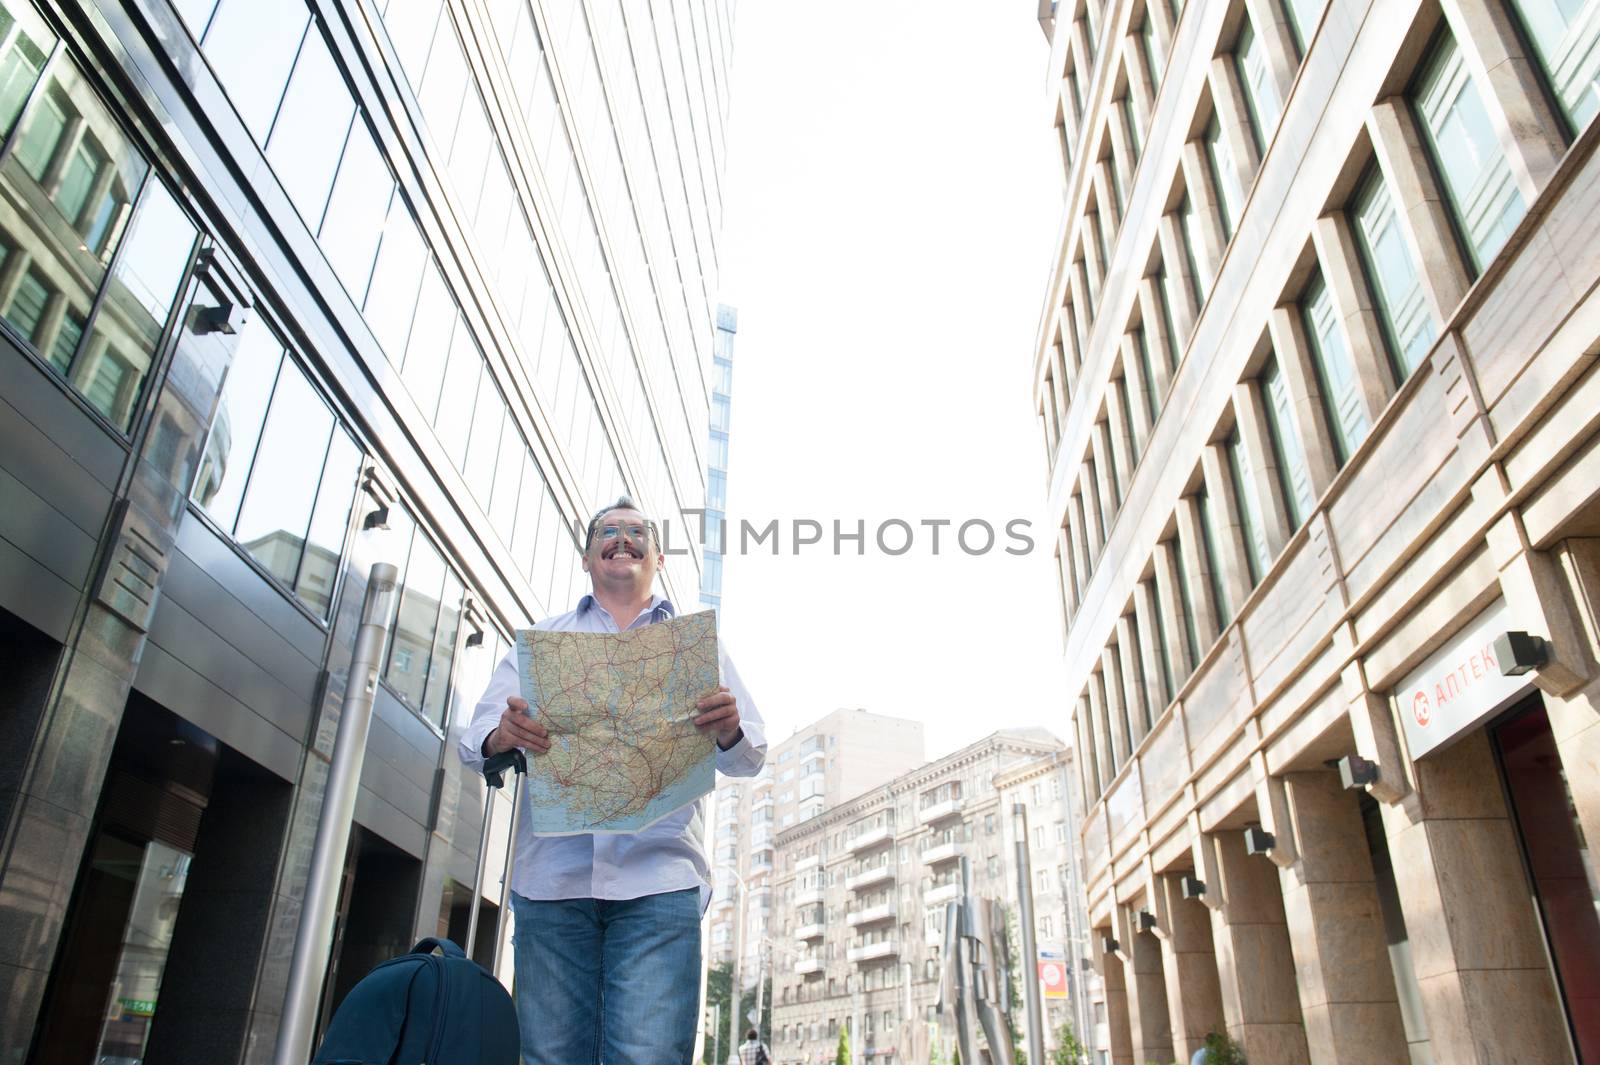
(660, 606)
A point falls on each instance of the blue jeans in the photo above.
(613, 981)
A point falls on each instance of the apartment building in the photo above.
(716, 509)
(1316, 377)
(288, 289)
(859, 895)
(837, 756)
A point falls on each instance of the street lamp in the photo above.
(734, 990)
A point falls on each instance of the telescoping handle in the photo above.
(494, 770)
(494, 775)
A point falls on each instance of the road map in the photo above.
(619, 707)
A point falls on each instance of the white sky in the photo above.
(891, 202)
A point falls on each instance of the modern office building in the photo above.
(288, 289)
(717, 458)
(859, 895)
(1316, 371)
(835, 757)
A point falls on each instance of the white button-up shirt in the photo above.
(670, 854)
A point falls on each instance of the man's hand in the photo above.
(517, 728)
(719, 715)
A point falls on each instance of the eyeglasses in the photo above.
(643, 532)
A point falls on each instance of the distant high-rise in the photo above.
(717, 456)
(1317, 383)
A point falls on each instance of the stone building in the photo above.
(839, 755)
(1316, 372)
(859, 895)
(288, 289)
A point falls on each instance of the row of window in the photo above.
(1315, 385)
(1473, 172)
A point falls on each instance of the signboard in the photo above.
(1053, 977)
(1458, 687)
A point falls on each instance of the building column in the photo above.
(1255, 964)
(1149, 1018)
(1114, 982)
(1230, 535)
(1346, 279)
(1295, 360)
(1189, 961)
(1330, 898)
(1476, 943)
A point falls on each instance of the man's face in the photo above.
(623, 553)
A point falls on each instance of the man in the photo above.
(753, 1051)
(608, 926)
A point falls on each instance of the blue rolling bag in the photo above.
(435, 1005)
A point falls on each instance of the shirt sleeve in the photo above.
(502, 685)
(745, 758)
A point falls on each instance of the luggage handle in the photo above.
(444, 946)
(494, 770)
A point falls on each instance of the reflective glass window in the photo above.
(1303, 16)
(236, 426)
(1224, 175)
(416, 621)
(428, 349)
(1566, 35)
(1125, 104)
(1486, 201)
(443, 87)
(469, 156)
(1189, 231)
(1407, 324)
(1147, 42)
(196, 14)
(1336, 371)
(251, 46)
(393, 292)
(278, 500)
(330, 518)
(133, 313)
(1191, 627)
(719, 413)
(410, 25)
(1142, 345)
(484, 445)
(526, 526)
(311, 128)
(453, 424)
(1210, 536)
(25, 43)
(1293, 473)
(1260, 91)
(507, 479)
(354, 221)
(717, 490)
(1252, 526)
(435, 697)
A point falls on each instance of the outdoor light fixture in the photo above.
(1517, 653)
(1109, 945)
(1356, 771)
(223, 318)
(376, 519)
(1258, 840)
(1144, 921)
(1191, 887)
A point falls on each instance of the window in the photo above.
(1260, 92)
(1147, 369)
(1566, 36)
(1191, 628)
(28, 42)
(1485, 200)
(1147, 44)
(1256, 554)
(1125, 105)
(1224, 176)
(251, 46)
(1336, 371)
(395, 280)
(354, 221)
(1164, 646)
(277, 472)
(1407, 325)
(1210, 535)
(1190, 221)
(310, 130)
(1293, 474)
(1303, 16)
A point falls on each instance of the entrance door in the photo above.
(1560, 866)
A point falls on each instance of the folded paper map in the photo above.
(619, 707)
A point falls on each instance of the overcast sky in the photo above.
(891, 201)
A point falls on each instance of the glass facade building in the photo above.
(287, 290)
(717, 460)
(1353, 275)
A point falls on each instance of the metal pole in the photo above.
(1029, 968)
(761, 987)
(314, 938)
(716, 1031)
(1077, 923)
(477, 873)
(734, 996)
